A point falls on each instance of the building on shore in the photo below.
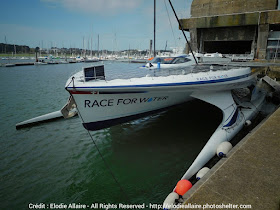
(235, 27)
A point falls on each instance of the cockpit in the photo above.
(170, 60)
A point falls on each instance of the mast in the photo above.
(98, 45)
(87, 48)
(128, 52)
(154, 28)
(182, 30)
(91, 47)
(151, 48)
(15, 49)
(83, 51)
(5, 45)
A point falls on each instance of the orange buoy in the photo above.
(150, 58)
(183, 186)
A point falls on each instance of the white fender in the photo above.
(223, 149)
(170, 200)
(202, 172)
(248, 123)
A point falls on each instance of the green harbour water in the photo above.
(57, 162)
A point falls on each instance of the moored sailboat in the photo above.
(103, 103)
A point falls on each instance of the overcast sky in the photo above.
(64, 23)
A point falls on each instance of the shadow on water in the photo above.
(151, 154)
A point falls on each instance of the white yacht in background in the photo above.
(40, 62)
(79, 59)
(91, 59)
(175, 61)
(214, 58)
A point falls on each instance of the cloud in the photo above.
(103, 7)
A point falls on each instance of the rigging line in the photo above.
(182, 31)
(72, 80)
(170, 22)
(106, 164)
(108, 167)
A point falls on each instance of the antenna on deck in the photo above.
(182, 31)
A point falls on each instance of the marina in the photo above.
(192, 126)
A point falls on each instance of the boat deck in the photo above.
(195, 77)
(139, 72)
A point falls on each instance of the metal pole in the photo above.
(98, 46)
(182, 30)
(154, 28)
(276, 51)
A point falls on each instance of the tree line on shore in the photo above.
(11, 48)
(23, 49)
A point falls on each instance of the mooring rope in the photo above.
(107, 166)
(103, 159)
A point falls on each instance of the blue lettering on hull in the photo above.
(121, 101)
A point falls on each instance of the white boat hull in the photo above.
(169, 66)
(102, 104)
(104, 110)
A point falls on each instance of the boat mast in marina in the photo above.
(91, 47)
(155, 28)
(15, 51)
(98, 47)
(5, 45)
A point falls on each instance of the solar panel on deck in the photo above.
(99, 70)
(94, 72)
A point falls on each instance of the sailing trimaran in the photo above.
(102, 103)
